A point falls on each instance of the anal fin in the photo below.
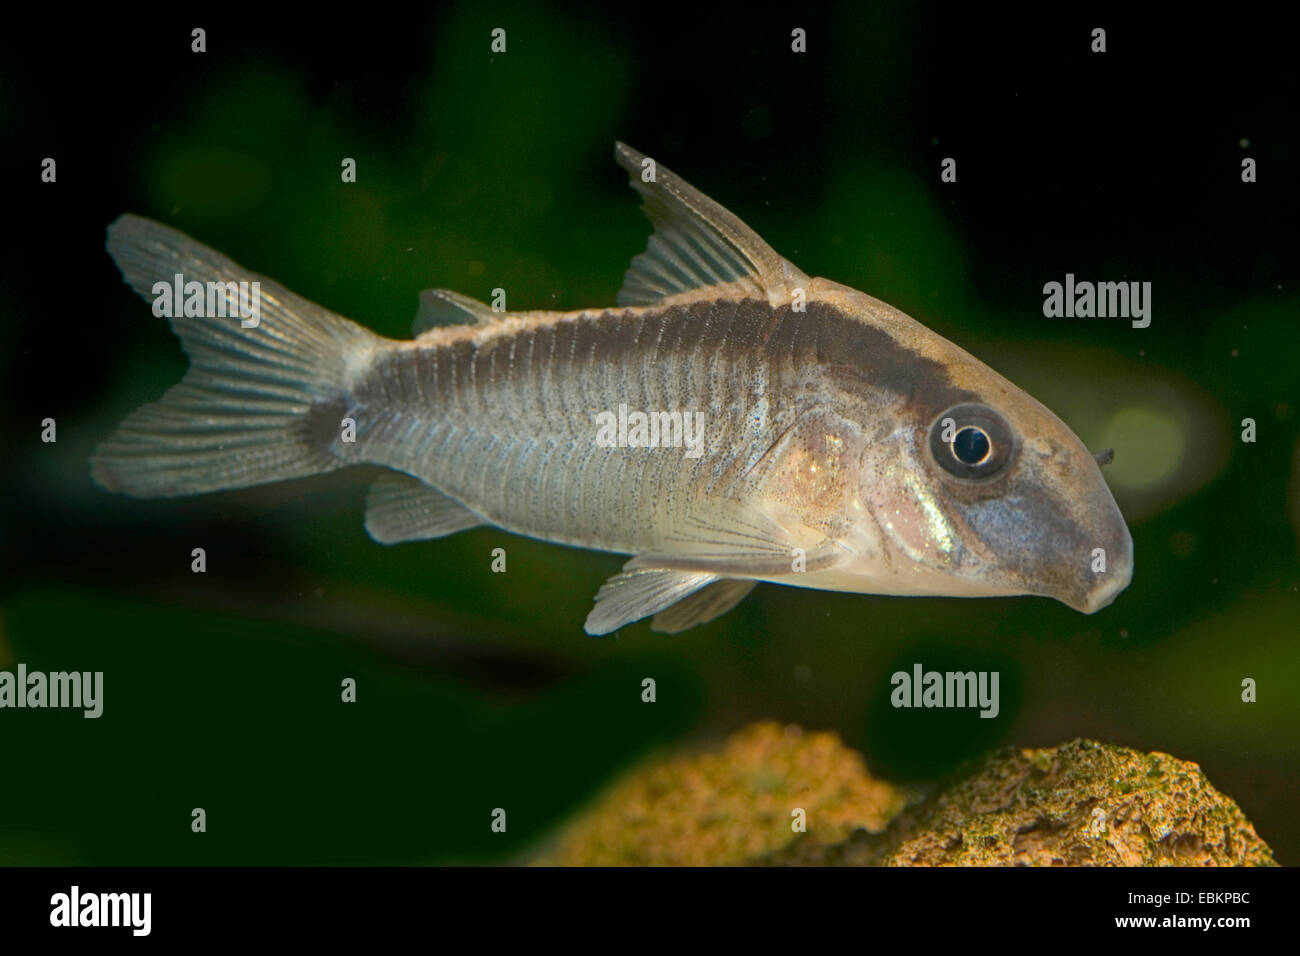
(711, 601)
(402, 508)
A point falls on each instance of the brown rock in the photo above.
(1080, 804)
(725, 808)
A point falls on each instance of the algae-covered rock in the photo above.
(728, 807)
(1079, 804)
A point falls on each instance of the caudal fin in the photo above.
(243, 413)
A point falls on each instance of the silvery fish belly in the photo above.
(731, 421)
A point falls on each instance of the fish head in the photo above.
(974, 488)
(1008, 500)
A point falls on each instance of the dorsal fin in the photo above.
(439, 307)
(696, 243)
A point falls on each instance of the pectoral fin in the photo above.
(733, 540)
(402, 508)
(711, 601)
(631, 595)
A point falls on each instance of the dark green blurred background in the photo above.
(477, 170)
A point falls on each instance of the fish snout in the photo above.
(1081, 527)
(1116, 577)
(1060, 539)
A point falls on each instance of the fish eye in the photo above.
(972, 441)
(971, 446)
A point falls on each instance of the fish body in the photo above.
(730, 421)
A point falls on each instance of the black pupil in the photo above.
(971, 446)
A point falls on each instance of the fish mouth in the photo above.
(1104, 593)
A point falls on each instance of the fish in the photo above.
(729, 421)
